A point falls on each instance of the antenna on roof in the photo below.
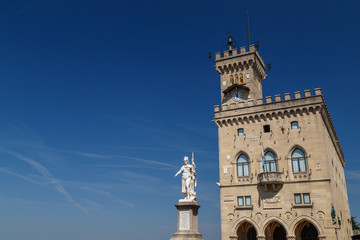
(248, 28)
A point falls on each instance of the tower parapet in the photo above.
(276, 106)
(269, 99)
(241, 72)
(252, 57)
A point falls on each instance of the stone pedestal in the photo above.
(187, 221)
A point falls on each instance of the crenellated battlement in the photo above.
(269, 99)
(234, 60)
(271, 107)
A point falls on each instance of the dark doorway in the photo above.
(251, 234)
(279, 233)
(246, 231)
(309, 232)
(275, 231)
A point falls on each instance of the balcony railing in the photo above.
(271, 180)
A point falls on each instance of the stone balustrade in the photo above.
(270, 180)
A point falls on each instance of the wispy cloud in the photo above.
(29, 179)
(108, 194)
(45, 173)
(90, 154)
(93, 204)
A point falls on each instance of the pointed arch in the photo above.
(270, 161)
(301, 219)
(242, 164)
(242, 220)
(298, 158)
(278, 220)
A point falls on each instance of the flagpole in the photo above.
(263, 156)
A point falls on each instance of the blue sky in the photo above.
(100, 101)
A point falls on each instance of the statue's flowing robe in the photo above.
(187, 178)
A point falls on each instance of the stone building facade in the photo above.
(281, 163)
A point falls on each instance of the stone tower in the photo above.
(281, 164)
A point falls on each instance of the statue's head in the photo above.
(186, 159)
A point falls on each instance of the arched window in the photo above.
(231, 79)
(242, 166)
(270, 162)
(236, 79)
(298, 161)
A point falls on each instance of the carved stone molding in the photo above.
(260, 237)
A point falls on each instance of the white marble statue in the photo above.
(188, 179)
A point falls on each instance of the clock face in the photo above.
(237, 96)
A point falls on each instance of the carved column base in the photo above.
(290, 237)
(260, 237)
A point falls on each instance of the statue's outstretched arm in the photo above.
(178, 172)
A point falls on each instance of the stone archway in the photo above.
(306, 231)
(246, 231)
(275, 231)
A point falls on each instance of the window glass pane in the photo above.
(266, 166)
(269, 156)
(306, 198)
(297, 198)
(240, 170)
(242, 159)
(294, 125)
(273, 166)
(241, 132)
(302, 165)
(246, 169)
(295, 165)
(248, 201)
(297, 153)
(240, 201)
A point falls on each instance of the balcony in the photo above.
(270, 181)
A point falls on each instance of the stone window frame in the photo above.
(276, 158)
(243, 132)
(297, 125)
(267, 125)
(244, 205)
(237, 165)
(305, 157)
(302, 201)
